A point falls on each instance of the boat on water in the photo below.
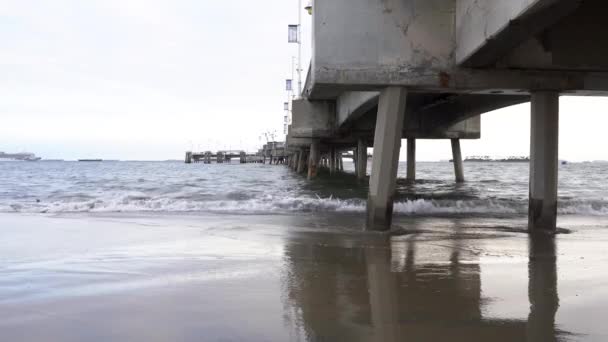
(90, 160)
(24, 156)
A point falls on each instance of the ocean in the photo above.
(164, 251)
(491, 190)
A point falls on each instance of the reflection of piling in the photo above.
(542, 288)
(383, 295)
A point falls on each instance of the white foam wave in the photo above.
(276, 204)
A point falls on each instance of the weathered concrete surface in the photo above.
(313, 160)
(350, 106)
(575, 42)
(544, 141)
(408, 34)
(312, 119)
(411, 160)
(488, 29)
(457, 160)
(303, 156)
(428, 116)
(332, 160)
(361, 159)
(431, 46)
(411, 37)
(387, 143)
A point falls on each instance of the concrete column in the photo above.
(332, 160)
(301, 161)
(340, 161)
(544, 129)
(296, 160)
(188, 157)
(457, 158)
(411, 160)
(313, 160)
(387, 143)
(361, 159)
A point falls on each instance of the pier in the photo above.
(272, 152)
(428, 70)
(221, 157)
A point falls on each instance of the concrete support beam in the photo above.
(361, 159)
(301, 161)
(313, 160)
(387, 143)
(296, 160)
(332, 160)
(457, 158)
(411, 160)
(544, 129)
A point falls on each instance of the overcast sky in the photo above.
(149, 79)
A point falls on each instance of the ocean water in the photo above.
(492, 189)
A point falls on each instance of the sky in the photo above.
(150, 79)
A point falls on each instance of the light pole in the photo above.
(299, 48)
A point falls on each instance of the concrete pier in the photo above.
(457, 158)
(411, 160)
(544, 131)
(387, 143)
(361, 159)
(313, 160)
(458, 60)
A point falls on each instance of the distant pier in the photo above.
(272, 153)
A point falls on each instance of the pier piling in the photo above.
(313, 160)
(544, 129)
(387, 143)
(411, 160)
(457, 158)
(361, 159)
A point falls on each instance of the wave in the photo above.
(268, 204)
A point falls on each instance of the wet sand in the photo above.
(299, 278)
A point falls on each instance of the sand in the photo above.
(298, 278)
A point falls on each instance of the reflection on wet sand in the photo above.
(376, 288)
(542, 289)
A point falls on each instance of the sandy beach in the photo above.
(298, 278)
